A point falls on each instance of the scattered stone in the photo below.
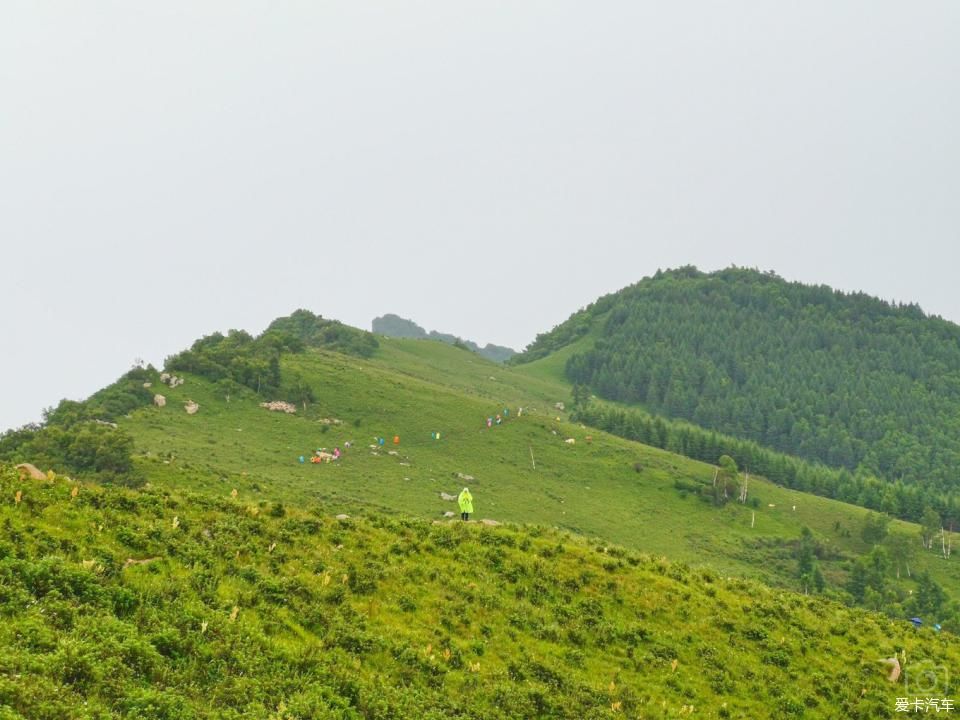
(559, 406)
(159, 400)
(343, 516)
(491, 523)
(461, 476)
(279, 406)
(131, 561)
(445, 496)
(449, 514)
(191, 407)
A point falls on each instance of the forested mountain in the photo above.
(844, 379)
(395, 326)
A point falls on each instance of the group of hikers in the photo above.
(499, 418)
(464, 499)
(323, 455)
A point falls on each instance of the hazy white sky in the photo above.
(169, 169)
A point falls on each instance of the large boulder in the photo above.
(31, 471)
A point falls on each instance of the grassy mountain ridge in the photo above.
(612, 489)
(413, 389)
(395, 326)
(156, 604)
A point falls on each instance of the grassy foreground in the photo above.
(159, 605)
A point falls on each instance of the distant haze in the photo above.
(171, 169)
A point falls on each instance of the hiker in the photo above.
(466, 504)
(489, 422)
(336, 453)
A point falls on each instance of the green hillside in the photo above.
(160, 605)
(231, 474)
(841, 379)
(524, 471)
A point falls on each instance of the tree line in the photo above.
(897, 498)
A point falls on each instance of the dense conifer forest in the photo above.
(845, 380)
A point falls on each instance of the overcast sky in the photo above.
(169, 169)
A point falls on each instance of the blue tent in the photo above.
(917, 622)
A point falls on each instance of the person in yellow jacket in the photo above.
(466, 504)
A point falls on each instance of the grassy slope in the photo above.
(413, 388)
(244, 613)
